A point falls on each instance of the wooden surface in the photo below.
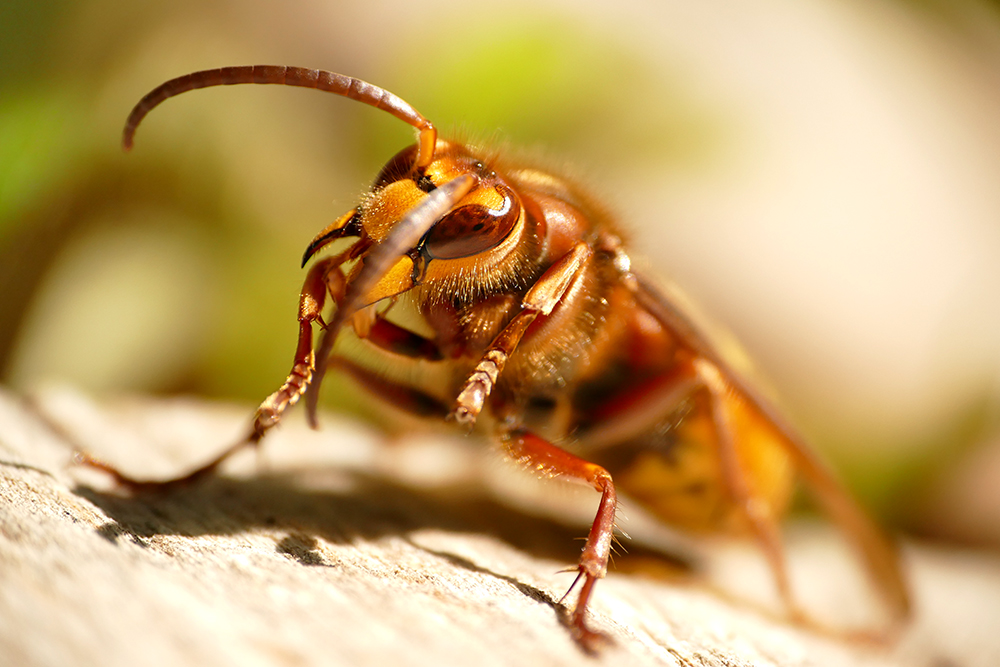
(340, 547)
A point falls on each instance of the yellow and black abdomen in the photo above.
(675, 470)
(652, 423)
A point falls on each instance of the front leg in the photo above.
(543, 296)
(325, 277)
(544, 457)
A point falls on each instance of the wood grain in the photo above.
(346, 547)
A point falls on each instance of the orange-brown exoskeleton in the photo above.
(547, 336)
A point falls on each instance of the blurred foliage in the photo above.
(550, 82)
(242, 213)
(26, 35)
(175, 269)
(964, 17)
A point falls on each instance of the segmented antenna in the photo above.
(331, 82)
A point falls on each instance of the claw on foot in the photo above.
(590, 641)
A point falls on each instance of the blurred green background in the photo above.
(820, 175)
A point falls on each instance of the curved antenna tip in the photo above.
(127, 137)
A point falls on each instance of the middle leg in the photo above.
(545, 458)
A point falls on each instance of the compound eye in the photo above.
(474, 228)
